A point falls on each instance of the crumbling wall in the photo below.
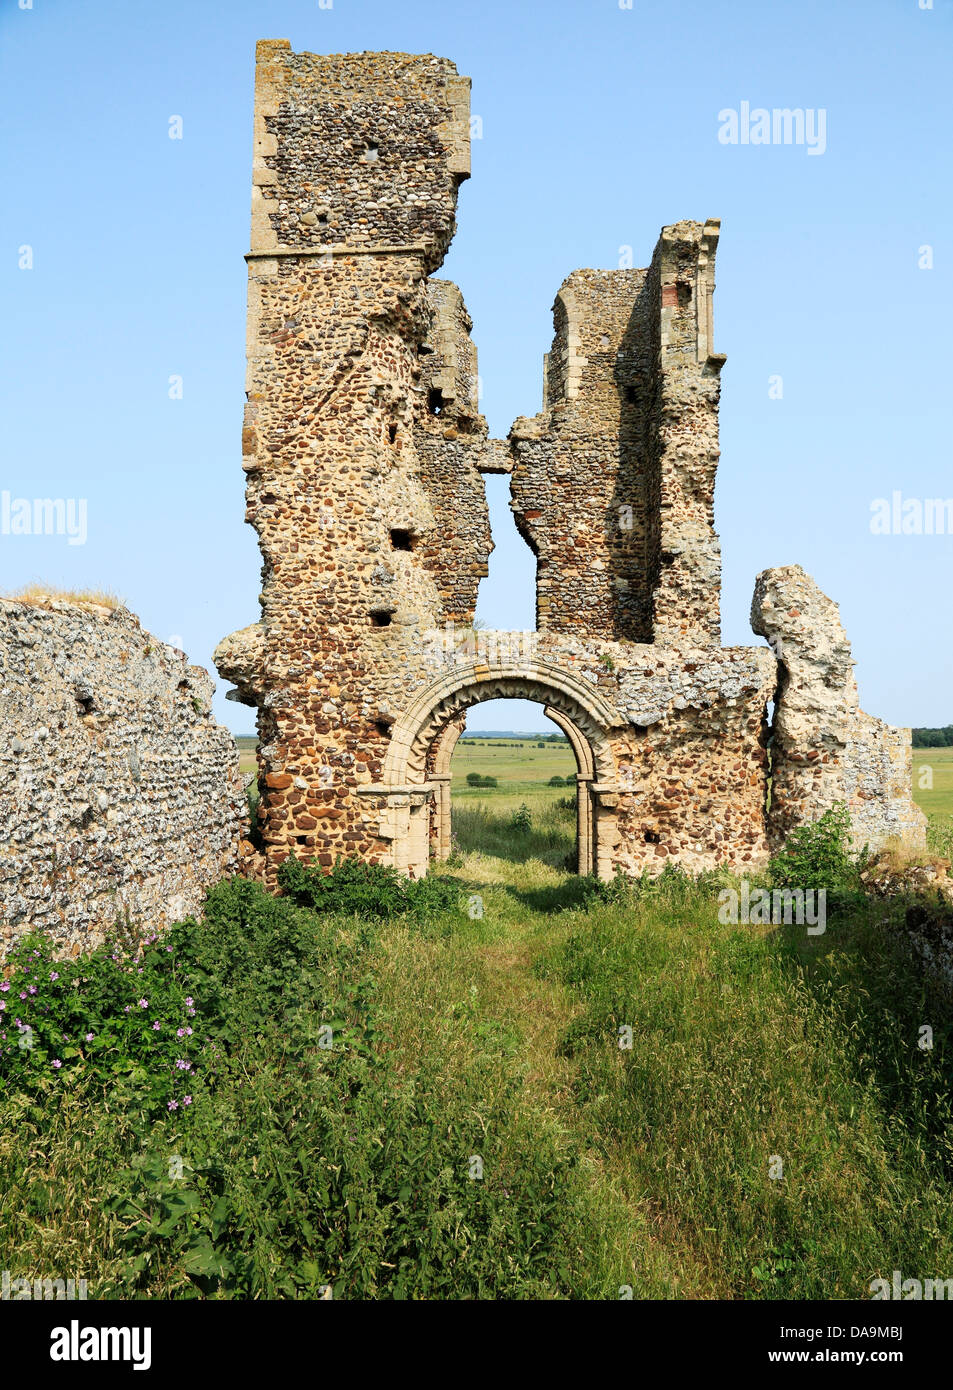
(350, 473)
(364, 448)
(579, 488)
(363, 150)
(613, 482)
(450, 436)
(685, 556)
(120, 796)
(824, 748)
(692, 763)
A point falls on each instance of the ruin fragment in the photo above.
(364, 451)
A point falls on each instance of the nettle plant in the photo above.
(114, 1014)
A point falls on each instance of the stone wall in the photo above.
(352, 471)
(450, 436)
(825, 749)
(363, 450)
(613, 483)
(580, 489)
(120, 796)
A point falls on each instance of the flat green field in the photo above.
(523, 770)
(933, 780)
(247, 757)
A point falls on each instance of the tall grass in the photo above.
(42, 594)
(423, 1095)
(940, 836)
(774, 1109)
(551, 837)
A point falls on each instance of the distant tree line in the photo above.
(933, 738)
(485, 734)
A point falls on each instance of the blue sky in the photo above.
(600, 124)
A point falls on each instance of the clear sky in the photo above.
(600, 124)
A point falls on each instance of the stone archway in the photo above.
(585, 779)
(441, 753)
(416, 768)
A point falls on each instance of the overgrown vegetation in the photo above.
(42, 594)
(367, 890)
(818, 855)
(501, 1082)
(549, 838)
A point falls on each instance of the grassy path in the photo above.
(484, 984)
(476, 1130)
(751, 1057)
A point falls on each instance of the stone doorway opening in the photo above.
(536, 775)
(417, 775)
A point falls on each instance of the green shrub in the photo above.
(369, 890)
(301, 1163)
(557, 782)
(122, 1018)
(155, 1019)
(819, 856)
(522, 819)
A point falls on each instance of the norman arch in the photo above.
(416, 771)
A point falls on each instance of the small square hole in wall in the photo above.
(652, 837)
(435, 400)
(401, 540)
(392, 433)
(371, 153)
(379, 618)
(382, 728)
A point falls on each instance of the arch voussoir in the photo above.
(422, 742)
(415, 731)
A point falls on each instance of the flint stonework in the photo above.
(364, 450)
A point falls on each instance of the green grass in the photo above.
(518, 761)
(475, 1029)
(488, 829)
(247, 752)
(489, 1030)
(522, 771)
(933, 765)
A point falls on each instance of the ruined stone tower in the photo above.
(364, 449)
